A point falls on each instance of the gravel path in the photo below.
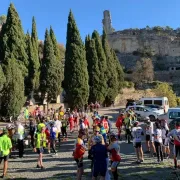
(62, 167)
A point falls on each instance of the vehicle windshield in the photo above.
(173, 115)
(149, 109)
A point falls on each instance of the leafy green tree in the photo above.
(2, 20)
(143, 71)
(102, 64)
(112, 81)
(50, 85)
(119, 70)
(93, 71)
(13, 93)
(75, 73)
(165, 90)
(12, 40)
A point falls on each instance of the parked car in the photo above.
(173, 113)
(144, 111)
(172, 123)
(156, 108)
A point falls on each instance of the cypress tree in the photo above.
(35, 61)
(75, 73)
(2, 78)
(119, 70)
(101, 64)
(13, 93)
(59, 65)
(93, 71)
(12, 40)
(55, 44)
(111, 72)
(50, 85)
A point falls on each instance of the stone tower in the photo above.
(107, 22)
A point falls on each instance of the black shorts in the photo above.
(5, 158)
(137, 145)
(79, 162)
(148, 137)
(176, 150)
(99, 169)
(40, 150)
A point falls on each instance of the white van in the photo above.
(161, 101)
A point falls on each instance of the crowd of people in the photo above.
(46, 132)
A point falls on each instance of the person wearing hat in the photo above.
(99, 154)
(149, 130)
(137, 134)
(91, 142)
(5, 147)
(114, 149)
(78, 153)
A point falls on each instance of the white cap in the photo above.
(147, 118)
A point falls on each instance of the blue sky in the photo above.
(89, 14)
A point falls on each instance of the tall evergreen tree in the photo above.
(112, 81)
(50, 85)
(2, 78)
(13, 93)
(35, 61)
(12, 40)
(119, 70)
(58, 55)
(102, 64)
(94, 73)
(55, 44)
(75, 73)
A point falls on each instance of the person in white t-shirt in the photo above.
(58, 126)
(165, 130)
(149, 136)
(137, 134)
(158, 141)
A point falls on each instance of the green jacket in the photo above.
(40, 140)
(5, 145)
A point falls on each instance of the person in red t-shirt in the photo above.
(114, 149)
(78, 154)
(119, 123)
(47, 132)
(71, 123)
(87, 126)
(105, 124)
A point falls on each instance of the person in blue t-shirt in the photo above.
(99, 154)
(53, 131)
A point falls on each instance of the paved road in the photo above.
(62, 167)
